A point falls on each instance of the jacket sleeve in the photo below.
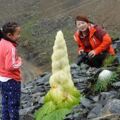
(104, 45)
(12, 61)
(79, 44)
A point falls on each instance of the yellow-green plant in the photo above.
(63, 95)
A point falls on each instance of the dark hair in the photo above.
(1, 34)
(81, 18)
(9, 27)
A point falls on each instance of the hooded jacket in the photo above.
(98, 39)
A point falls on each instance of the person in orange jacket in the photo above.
(93, 40)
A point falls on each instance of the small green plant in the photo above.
(63, 95)
(118, 69)
(103, 82)
(109, 61)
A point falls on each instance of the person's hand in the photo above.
(91, 54)
(80, 52)
(19, 61)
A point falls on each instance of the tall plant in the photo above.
(63, 95)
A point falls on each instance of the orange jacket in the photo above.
(96, 44)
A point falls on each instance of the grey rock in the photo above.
(95, 112)
(86, 102)
(108, 117)
(41, 100)
(105, 96)
(112, 106)
(25, 111)
(94, 98)
(27, 117)
(74, 66)
(116, 84)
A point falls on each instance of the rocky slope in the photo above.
(103, 105)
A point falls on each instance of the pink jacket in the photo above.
(10, 62)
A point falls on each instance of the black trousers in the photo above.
(96, 61)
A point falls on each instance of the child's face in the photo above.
(16, 35)
(81, 25)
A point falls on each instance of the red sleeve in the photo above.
(80, 46)
(12, 61)
(104, 45)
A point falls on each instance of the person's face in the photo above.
(81, 26)
(16, 35)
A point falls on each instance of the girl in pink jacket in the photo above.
(10, 76)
